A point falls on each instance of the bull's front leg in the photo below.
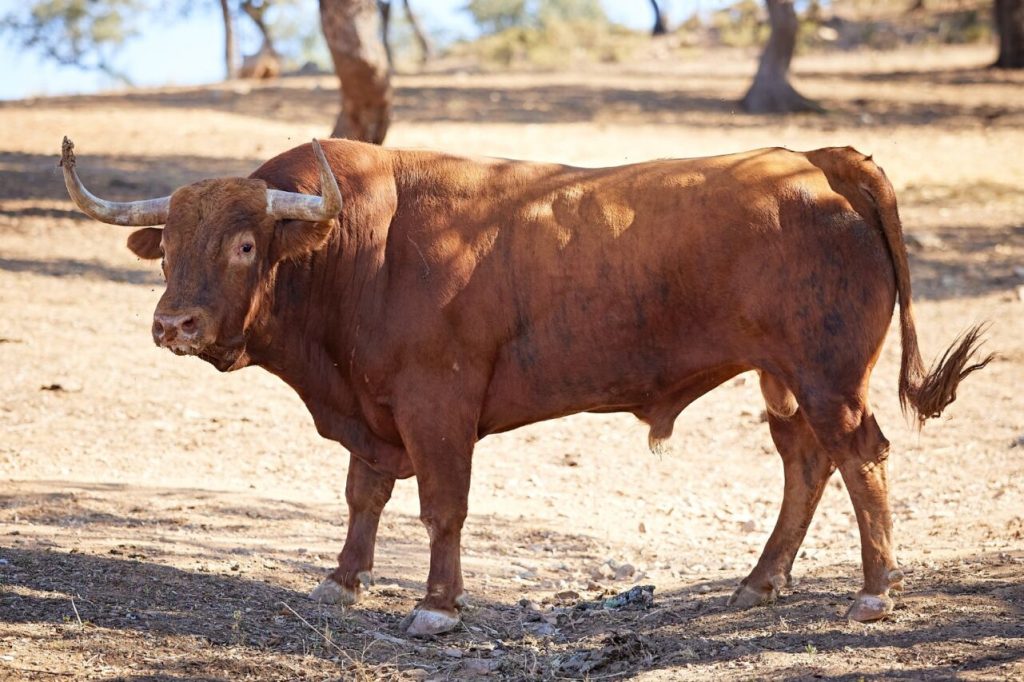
(366, 492)
(441, 449)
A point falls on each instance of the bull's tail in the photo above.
(864, 184)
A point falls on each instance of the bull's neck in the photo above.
(322, 308)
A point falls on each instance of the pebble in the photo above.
(625, 571)
(451, 652)
(543, 629)
(479, 666)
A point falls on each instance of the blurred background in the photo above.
(81, 46)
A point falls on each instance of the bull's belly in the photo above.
(525, 389)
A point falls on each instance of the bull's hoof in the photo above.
(425, 622)
(330, 592)
(746, 597)
(870, 607)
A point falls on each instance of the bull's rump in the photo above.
(620, 288)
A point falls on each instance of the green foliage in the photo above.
(549, 11)
(544, 33)
(742, 24)
(83, 33)
(494, 16)
(554, 44)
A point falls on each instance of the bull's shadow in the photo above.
(685, 626)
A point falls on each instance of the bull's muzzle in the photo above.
(180, 332)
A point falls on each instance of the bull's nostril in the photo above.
(158, 329)
(188, 325)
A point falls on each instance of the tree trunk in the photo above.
(385, 28)
(1010, 26)
(771, 92)
(352, 29)
(230, 62)
(267, 62)
(660, 25)
(426, 49)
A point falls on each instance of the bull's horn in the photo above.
(137, 213)
(315, 209)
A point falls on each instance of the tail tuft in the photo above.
(937, 389)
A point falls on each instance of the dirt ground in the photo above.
(159, 520)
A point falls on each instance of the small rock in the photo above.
(625, 571)
(543, 629)
(565, 595)
(451, 652)
(641, 596)
(479, 666)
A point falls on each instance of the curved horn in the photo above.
(294, 206)
(131, 213)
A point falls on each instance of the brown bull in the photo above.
(447, 298)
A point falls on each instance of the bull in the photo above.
(418, 302)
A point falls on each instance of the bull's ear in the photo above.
(145, 243)
(296, 238)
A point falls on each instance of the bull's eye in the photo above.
(247, 247)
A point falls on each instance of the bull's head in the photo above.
(220, 243)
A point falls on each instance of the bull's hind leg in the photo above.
(856, 444)
(366, 492)
(807, 470)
